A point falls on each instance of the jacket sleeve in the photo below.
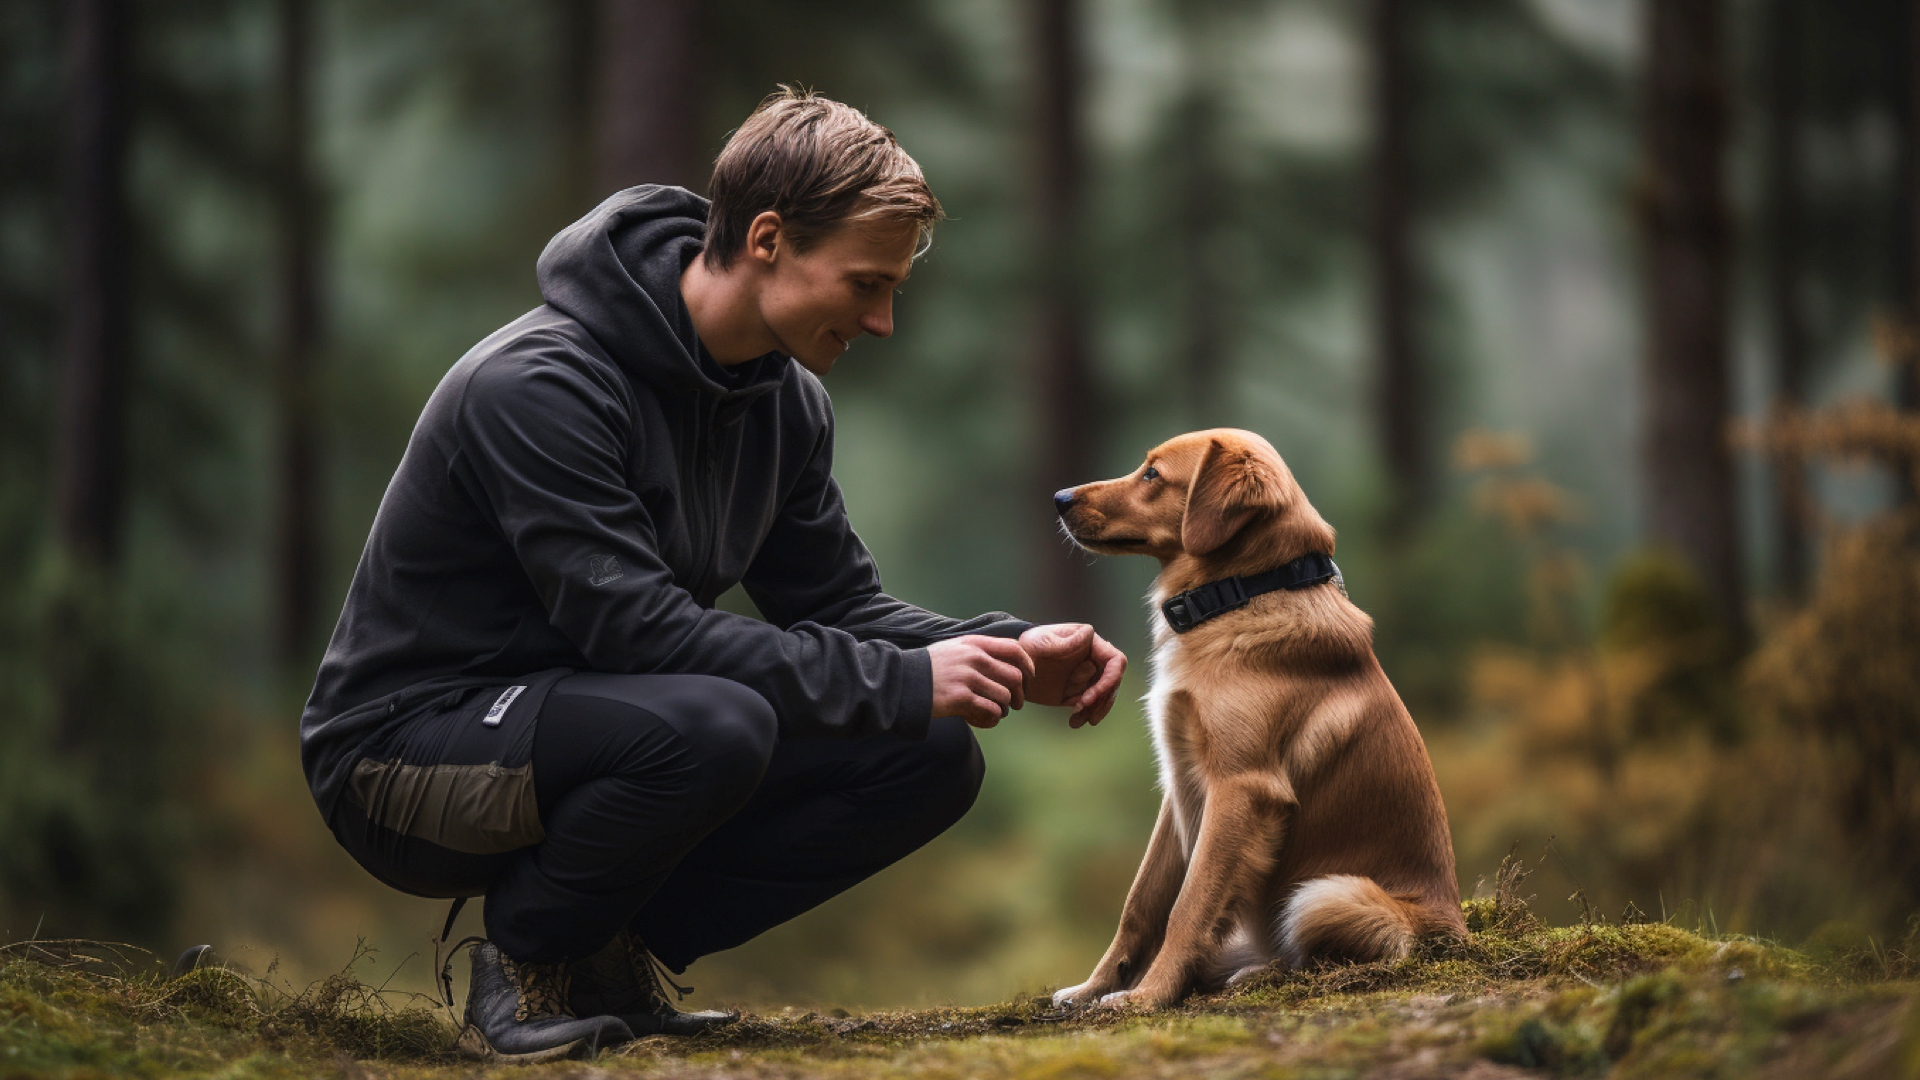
(543, 445)
(812, 568)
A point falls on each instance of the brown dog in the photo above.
(1301, 818)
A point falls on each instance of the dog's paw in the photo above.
(1251, 971)
(1073, 995)
(1119, 999)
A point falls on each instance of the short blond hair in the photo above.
(817, 163)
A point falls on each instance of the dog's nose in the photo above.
(1062, 499)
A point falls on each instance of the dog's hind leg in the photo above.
(1244, 955)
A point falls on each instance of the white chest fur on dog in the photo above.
(1183, 785)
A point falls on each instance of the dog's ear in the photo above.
(1230, 486)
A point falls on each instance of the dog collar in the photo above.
(1203, 602)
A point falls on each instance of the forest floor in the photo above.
(1515, 999)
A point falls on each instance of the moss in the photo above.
(1636, 1000)
(82, 1008)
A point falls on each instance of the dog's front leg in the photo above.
(1143, 921)
(1241, 832)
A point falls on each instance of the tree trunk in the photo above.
(1907, 390)
(90, 483)
(1688, 466)
(1786, 91)
(650, 94)
(1903, 77)
(578, 65)
(1067, 389)
(1202, 215)
(1400, 389)
(298, 557)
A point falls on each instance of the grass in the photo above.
(1641, 999)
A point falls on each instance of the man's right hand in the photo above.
(979, 678)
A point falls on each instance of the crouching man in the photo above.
(529, 695)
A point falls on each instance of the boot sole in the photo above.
(646, 1024)
(474, 1046)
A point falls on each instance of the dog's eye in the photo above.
(1151, 474)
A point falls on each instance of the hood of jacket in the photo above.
(616, 272)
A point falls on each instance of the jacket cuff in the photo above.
(1009, 627)
(916, 695)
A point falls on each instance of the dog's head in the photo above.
(1221, 501)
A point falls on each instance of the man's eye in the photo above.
(1151, 474)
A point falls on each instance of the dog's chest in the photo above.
(1172, 718)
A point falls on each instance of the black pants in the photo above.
(666, 803)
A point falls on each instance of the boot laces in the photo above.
(542, 988)
(648, 968)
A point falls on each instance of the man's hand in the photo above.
(1073, 666)
(979, 678)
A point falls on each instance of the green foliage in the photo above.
(1655, 600)
(89, 774)
(1456, 585)
(1658, 616)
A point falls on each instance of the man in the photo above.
(529, 694)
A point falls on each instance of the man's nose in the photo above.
(1063, 500)
(879, 322)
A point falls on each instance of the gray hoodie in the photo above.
(579, 489)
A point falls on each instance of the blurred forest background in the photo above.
(1591, 324)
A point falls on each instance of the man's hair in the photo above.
(819, 165)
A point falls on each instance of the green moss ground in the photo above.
(1514, 999)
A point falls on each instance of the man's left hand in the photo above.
(1075, 667)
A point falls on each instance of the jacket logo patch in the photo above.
(500, 705)
(603, 570)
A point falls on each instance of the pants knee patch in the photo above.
(476, 809)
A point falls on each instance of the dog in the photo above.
(1300, 817)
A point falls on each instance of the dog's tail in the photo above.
(1343, 917)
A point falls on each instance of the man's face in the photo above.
(817, 301)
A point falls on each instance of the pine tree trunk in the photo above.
(298, 555)
(578, 64)
(89, 487)
(1400, 389)
(1786, 33)
(1903, 77)
(1688, 467)
(1202, 213)
(1067, 390)
(650, 93)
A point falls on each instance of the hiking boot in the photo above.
(518, 1012)
(624, 980)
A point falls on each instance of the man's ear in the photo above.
(765, 236)
(1228, 489)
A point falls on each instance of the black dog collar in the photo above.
(1203, 602)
